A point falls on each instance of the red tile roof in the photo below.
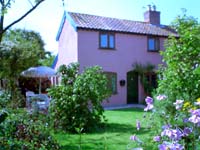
(85, 21)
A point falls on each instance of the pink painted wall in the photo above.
(130, 48)
(67, 46)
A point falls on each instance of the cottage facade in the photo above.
(115, 45)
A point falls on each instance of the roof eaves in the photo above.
(66, 16)
(125, 32)
(54, 62)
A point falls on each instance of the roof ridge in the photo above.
(107, 17)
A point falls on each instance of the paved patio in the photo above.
(124, 106)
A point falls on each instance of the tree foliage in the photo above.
(19, 50)
(76, 103)
(5, 5)
(179, 79)
(48, 60)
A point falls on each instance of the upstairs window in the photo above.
(106, 40)
(153, 44)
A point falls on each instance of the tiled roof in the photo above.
(85, 21)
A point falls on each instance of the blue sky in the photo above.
(46, 19)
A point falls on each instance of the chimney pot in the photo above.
(152, 17)
(149, 7)
(154, 7)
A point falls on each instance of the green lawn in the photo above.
(120, 126)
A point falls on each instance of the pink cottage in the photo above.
(115, 45)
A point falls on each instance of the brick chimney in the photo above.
(152, 16)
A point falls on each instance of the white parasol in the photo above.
(39, 72)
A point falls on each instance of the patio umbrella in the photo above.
(39, 72)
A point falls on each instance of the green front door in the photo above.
(132, 87)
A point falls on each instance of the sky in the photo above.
(47, 17)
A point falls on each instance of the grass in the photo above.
(120, 126)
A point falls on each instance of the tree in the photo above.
(76, 103)
(48, 60)
(19, 50)
(179, 79)
(5, 5)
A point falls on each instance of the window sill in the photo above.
(106, 48)
(154, 51)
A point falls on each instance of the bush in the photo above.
(23, 131)
(76, 103)
(178, 106)
(182, 57)
(181, 133)
(4, 99)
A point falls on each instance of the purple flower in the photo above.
(149, 100)
(157, 138)
(133, 138)
(138, 126)
(187, 131)
(149, 107)
(167, 132)
(176, 146)
(173, 134)
(195, 118)
(178, 104)
(185, 120)
(163, 146)
(195, 112)
(170, 146)
(161, 97)
(167, 126)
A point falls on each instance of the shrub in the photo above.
(178, 108)
(182, 56)
(181, 133)
(7, 102)
(22, 131)
(76, 103)
(4, 99)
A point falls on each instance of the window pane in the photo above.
(151, 44)
(104, 40)
(114, 86)
(157, 44)
(112, 81)
(111, 41)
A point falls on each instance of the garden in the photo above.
(76, 118)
